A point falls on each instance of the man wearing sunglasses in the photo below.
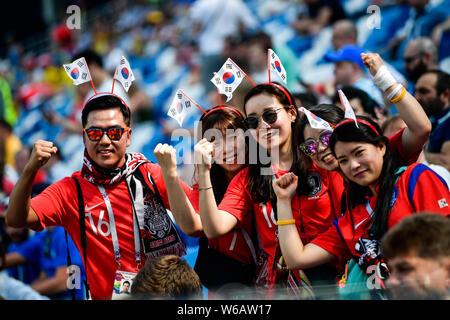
(124, 197)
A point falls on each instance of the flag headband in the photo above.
(360, 121)
(222, 107)
(79, 73)
(103, 94)
(282, 90)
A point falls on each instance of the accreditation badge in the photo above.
(123, 282)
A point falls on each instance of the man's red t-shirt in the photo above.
(58, 206)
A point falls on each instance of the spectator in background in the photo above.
(433, 93)
(167, 277)
(11, 141)
(10, 288)
(344, 32)
(305, 100)
(320, 13)
(46, 253)
(19, 267)
(418, 255)
(424, 16)
(420, 55)
(213, 21)
(349, 70)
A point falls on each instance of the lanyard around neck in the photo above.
(115, 239)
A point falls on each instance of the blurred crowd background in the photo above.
(175, 45)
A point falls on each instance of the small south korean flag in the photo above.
(228, 78)
(443, 203)
(349, 113)
(180, 105)
(78, 71)
(124, 74)
(277, 66)
(316, 122)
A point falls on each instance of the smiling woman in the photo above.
(380, 194)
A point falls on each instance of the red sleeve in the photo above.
(52, 204)
(237, 200)
(427, 191)
(156, 172)
(336, 188)
(332, 242)
(395, 143)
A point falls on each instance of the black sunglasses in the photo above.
(269, 116)
(409, 59)
(114, 133)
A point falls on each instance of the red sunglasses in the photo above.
(113, 133)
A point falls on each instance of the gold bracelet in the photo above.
(285, 222)
(400, 97)
(200, 189)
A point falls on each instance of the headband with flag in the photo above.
(78, 72)
(181, 103)
(316, 122)
(360, 121)
(228, 78)
(274, 63)
(123, 74)
(349, 113)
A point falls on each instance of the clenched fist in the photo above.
(372, 61)
(42, 152)
(166, 157)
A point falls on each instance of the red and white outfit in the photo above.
(58, 205)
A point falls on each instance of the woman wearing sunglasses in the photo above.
(381, 193)
(408, 142)
(271, 115)
(231, 256)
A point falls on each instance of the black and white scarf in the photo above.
(158, 234)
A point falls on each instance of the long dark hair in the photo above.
(348, 132)
(220, 118)
(260, 185)
(328, 112)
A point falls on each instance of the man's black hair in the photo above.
(442, 80)
(103, 103)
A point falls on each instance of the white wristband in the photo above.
(383, 79)
(394, 92)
